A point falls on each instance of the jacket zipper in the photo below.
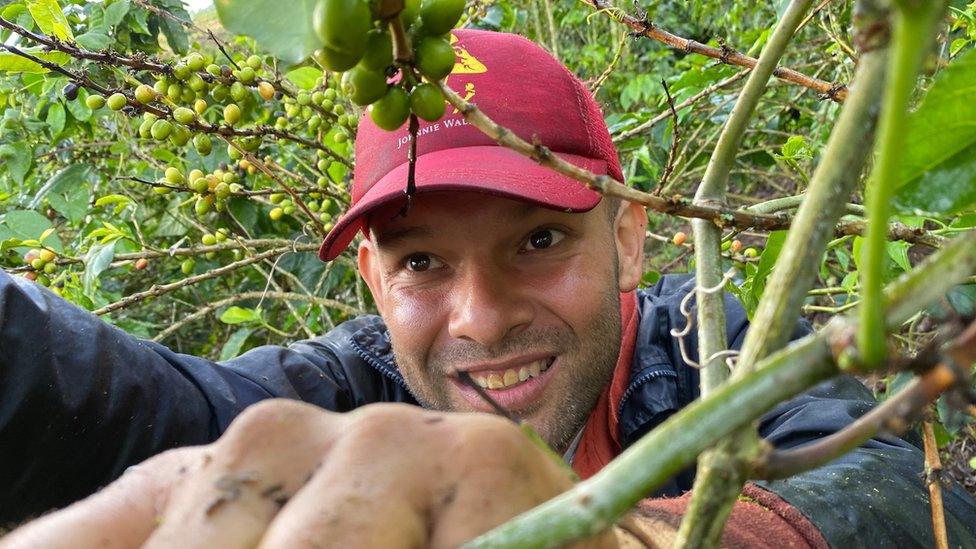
(642, 379)
(382, 367)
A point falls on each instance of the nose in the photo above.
(487, 305)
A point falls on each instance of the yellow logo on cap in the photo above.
(465, 63)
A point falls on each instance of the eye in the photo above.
(419, 263)
(543, 238)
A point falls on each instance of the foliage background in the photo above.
(80, 180)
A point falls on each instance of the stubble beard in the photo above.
(585, 367)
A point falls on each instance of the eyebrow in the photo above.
(392, 237)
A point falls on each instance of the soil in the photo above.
(956, 456)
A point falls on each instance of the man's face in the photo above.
(525, 299)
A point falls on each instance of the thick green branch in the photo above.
(912, 34)
(716, 487)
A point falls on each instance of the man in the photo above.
(499, 270)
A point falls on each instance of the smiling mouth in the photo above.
(511, 377)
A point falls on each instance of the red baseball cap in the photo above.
(520, 86)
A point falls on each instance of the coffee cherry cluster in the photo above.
(42, 266)
(200, 98)
(358, 40)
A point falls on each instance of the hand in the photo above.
(287, 474)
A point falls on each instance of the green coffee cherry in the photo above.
(161, 129)
(434, 57)
(144, 94)
(116, 101)
(440, 16)
(392, 110)
(232, 114)
(95, 102)
(379, 51)
(184, 115)
(202, 144)
(427, 102)
(174, 176)
(187, 266)
(335, 60)
(342, 25)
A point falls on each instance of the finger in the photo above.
(265, 456)
(121, 515)
(374, 488)
(505, 474)
(411, 479)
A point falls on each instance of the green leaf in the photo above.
(115, 12)
(947, 188)
(18, 160)
(28, 225)
(71, 202)
(94, 40)
(98, 258)
(49, 18)
(282, 28)
(796, 147)
(939, 169)
(234, 343)
(13, 11)
(240, 315)
(774, 245)
(10, 62)
(174, 32)
(304, 77)
(113, 199)
(78, 108)
(898, 252)
(55, 119)
(74, 175)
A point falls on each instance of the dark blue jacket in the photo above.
(81, 400)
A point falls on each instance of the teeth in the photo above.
(495, 381)
(511, 378)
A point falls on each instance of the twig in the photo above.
(834, 92)
(316, 222)
(553, 43)
(141, 62)
(675, 137)
(933, 478)
(156, 291)
(894, 416)
(157, 110)
(686, 103)
(220, 46)
(285, 296)
(595, 86)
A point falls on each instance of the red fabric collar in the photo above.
(600, 441)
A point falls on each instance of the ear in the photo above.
(369, 269)
(629, 231)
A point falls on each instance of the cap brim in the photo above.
(488, 169)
